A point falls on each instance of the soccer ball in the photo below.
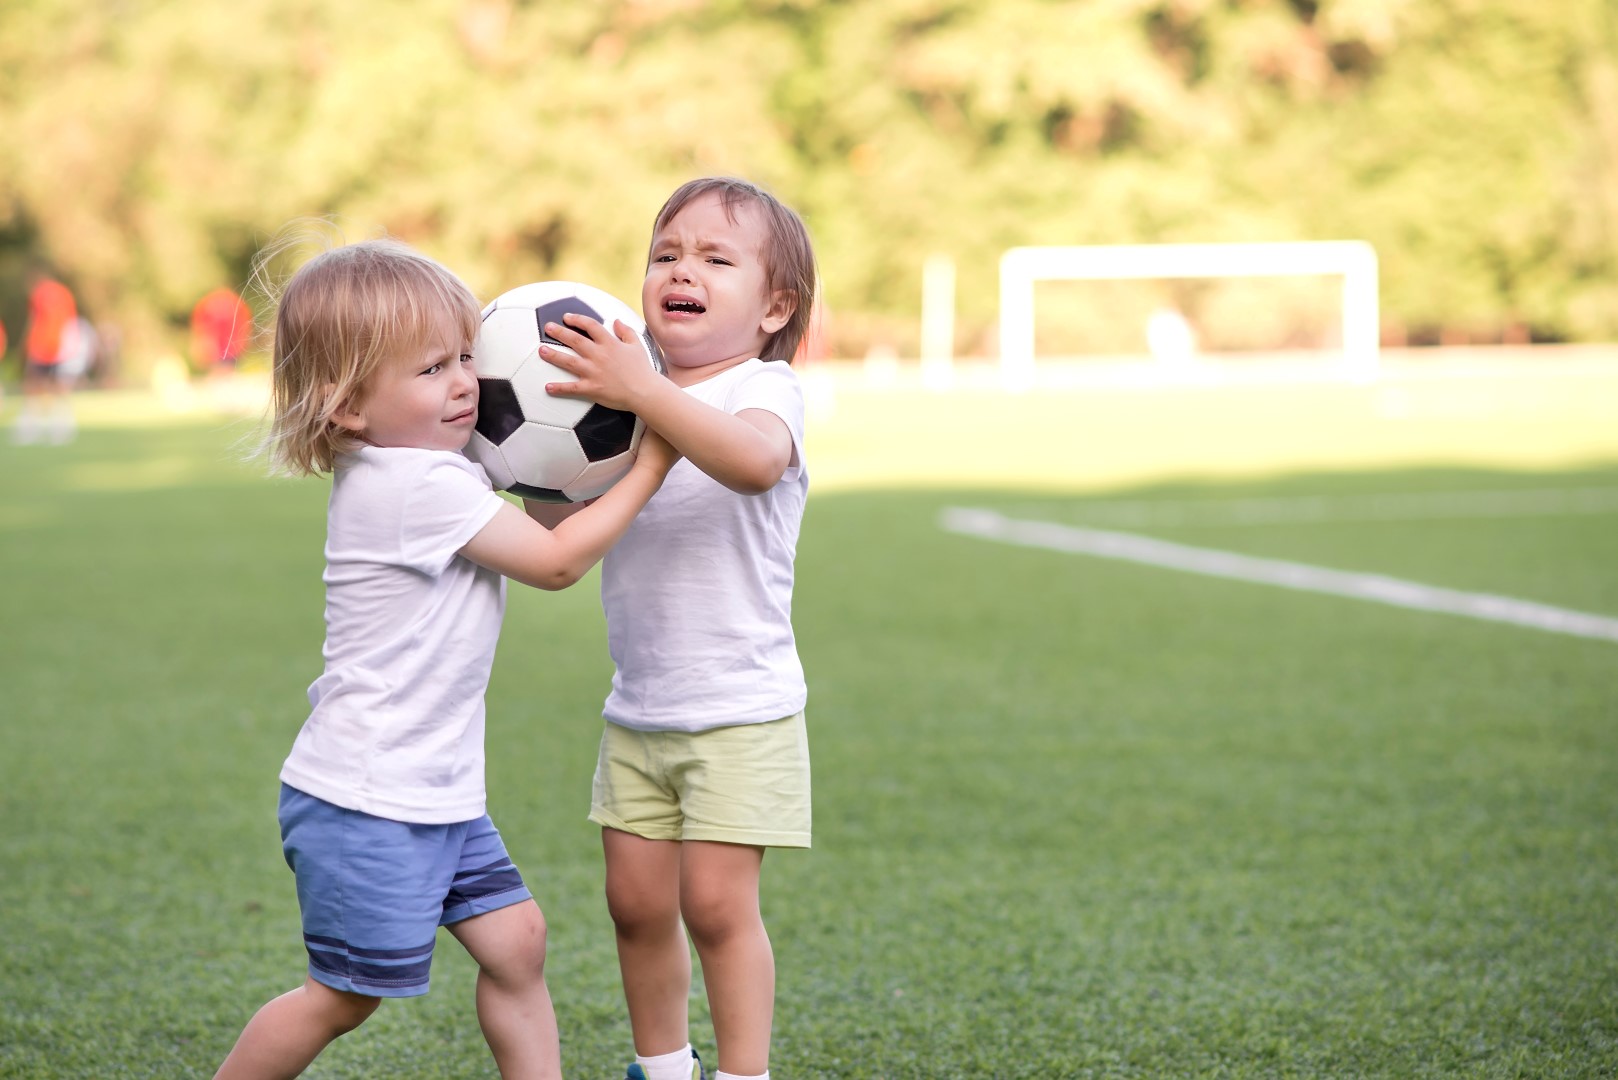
(549, 449)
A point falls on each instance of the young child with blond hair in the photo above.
(382, 805)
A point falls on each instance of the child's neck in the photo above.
(690, 376)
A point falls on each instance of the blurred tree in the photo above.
(152, 148)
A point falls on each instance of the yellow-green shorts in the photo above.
(747, 784)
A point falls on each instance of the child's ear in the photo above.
(346, 415)
(779, 313)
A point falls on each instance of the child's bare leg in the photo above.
(514, 1004)
(643, 897)
(286, 1034)
(719, 900)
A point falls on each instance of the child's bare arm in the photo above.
(747, 452)
(524, 550)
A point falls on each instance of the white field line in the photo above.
(1309, 509)
(988, 525)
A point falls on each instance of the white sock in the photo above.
(765, 1075)
(675, 1066)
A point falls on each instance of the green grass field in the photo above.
(1074, 817)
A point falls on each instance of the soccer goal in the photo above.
(1352, 260)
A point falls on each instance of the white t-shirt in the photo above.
(698, 593)
(396, 725)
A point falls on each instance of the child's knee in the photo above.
(639, 911)
(528, 951)
(519, 955)
(715, 917)
(642, 898)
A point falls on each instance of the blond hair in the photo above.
(789, 258)
(339, 317)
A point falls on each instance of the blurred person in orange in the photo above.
(46, 411)
(221, 325)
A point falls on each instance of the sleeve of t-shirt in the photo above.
(447, 506)
(773, 387)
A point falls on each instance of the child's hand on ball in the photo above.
(610, 366)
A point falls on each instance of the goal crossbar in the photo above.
(1353, 260)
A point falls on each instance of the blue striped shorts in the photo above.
(373, 892)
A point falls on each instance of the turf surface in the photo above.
(1073, 817)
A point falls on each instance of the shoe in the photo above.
(637, 1073)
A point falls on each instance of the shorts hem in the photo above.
(485, 904)
(750, 837)
(349, 986)
(710, 833)
(646, 832)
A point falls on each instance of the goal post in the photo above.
(1352, 260)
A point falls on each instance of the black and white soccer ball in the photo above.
(549, 449)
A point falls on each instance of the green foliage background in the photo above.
(151, 148)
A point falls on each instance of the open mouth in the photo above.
(681, 306)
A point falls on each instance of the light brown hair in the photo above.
(789, 258)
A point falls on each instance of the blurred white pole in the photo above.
(937, 322)
(1362, 316)
(1016, 321)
